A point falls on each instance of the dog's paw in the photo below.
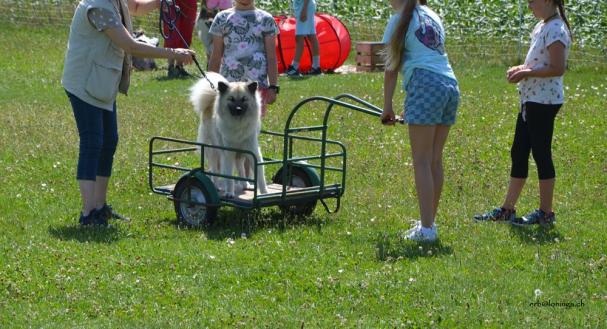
(263, 190)
(248, 186)
(229, 195)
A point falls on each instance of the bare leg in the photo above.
(546, 193)
(440, 138)
(299, 44)
(315, 46)
(514, 191)
(101, 186)
(422, 143)
(87, 195)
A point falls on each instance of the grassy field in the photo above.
(349, 269)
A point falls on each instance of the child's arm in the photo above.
(303, 16)
(217, 54)
(270, 47)
(390, 79)
(555, 68)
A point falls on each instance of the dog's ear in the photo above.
(252, 86)
(222, 86)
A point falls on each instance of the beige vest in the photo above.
(95, 69)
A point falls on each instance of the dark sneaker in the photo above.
(499, 214)
(293, 72)
(88, 219)
(537, 217)
(181, 72)
(109, 213)
(314, 71)
(173, 73)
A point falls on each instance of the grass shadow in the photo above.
(536, 235)
(75, 232)
(393, 248)
(192, 77)
(236, 223)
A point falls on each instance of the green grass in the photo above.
(348, 269)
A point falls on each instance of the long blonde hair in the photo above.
(396, 47)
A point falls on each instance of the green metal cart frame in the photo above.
(197, 200)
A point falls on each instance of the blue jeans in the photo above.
(98, 131)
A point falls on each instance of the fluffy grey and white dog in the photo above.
(230, 116)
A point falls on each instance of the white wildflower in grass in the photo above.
(230, 241)
(411, 280)
(537, 293)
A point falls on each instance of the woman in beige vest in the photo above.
(97, 67)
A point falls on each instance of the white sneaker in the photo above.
(421, 234)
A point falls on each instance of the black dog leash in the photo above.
(169, 12)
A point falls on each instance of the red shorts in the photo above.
(185, 24)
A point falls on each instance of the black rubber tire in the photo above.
(193, 215)
(299, 178)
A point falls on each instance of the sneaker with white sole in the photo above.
(314, 71)
(421, 234)
(536, 217)
(292, 72)
(499, 215)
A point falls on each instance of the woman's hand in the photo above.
(183, 55)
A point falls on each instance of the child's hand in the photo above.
(518, 75)
(387, 117)
(271, 96)
(513, 70)
(304, 16)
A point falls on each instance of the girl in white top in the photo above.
(540, 85)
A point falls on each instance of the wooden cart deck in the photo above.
(274, 195)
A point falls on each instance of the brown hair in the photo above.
(561, 8)
(396, 47)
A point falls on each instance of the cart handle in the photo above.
(370, 106)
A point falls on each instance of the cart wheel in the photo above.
(189, 190)
(299, 178)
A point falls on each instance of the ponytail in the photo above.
(396, 47)
(561, 9)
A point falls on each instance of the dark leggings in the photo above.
(534, 134)
(98, 131)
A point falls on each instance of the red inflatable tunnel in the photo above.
(333, 38)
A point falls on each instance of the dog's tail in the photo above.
(202, 95)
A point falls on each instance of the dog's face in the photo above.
(239, 98)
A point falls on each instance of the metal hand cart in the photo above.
(296, 187)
